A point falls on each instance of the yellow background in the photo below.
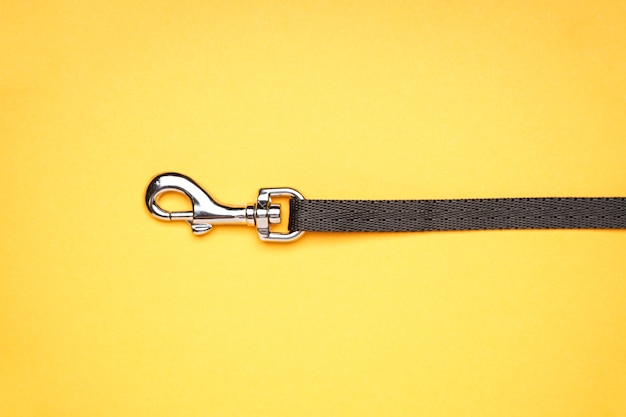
(105, 311)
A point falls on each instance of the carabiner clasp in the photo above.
(207, 211)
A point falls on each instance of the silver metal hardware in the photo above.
(208, 212)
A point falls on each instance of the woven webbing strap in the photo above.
(465, 214)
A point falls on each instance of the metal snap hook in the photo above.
(207, 211)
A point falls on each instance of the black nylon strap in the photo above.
(462, 214)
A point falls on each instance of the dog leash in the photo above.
(385, 215)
